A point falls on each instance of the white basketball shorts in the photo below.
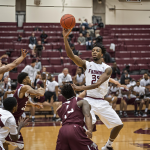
(104, 110)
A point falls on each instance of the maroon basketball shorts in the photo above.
(73, 137)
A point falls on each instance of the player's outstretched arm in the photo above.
(88, 118)
(117, 83)
(77, 60)
(105, 76)
(14, 63)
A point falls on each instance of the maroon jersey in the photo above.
(21, 102)
(70, 113)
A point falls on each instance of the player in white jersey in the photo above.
(97, 76)
(7, 121)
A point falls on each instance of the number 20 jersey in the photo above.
(92, 74)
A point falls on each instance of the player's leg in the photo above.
(147, 100)
(5, 145)
(121, 107)
(114, 101)
(125, 106)
(55, 106)
(141, 106)
(110, 118)
(32, 111)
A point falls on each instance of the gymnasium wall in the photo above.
(7, 11)
(127, 13)
(52, 10)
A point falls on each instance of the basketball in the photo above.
(67, 21)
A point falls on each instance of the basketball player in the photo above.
(72, 135)
(12, 65)
(97, 76)
(21, 94)
(7, 121)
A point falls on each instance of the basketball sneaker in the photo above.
(120, 114)
(33, 120)
(107, 148)
(140, 113)
(125, 114)
(144, 115)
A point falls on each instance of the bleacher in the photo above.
(132, 45)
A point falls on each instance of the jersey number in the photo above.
(94, 79)
(68, 112)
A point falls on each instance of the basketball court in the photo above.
(134, 136)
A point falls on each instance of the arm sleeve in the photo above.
(11, 123)
(70, 78)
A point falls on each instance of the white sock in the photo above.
(33, 117)
(109, 143)
(54, 115)
(146, 109)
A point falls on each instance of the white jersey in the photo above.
(7, 124)
(92, 74)
(80, 78)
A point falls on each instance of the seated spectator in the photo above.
(127, 68)
(39, 47)
(43, 37)
(81, 39)
(37, 29)
(32, 41)
(76, 52)
(145, 80)
(19, 38)
(115, 71)
(139, 91)
(44, 71)
(79, 79)
(88, 42)
(37, 79)
(64, 77)
(83, 31)
(125, 76)
(107, 57)
(38, 64)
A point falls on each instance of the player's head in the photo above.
(23, 78)
(33, 63)
(79, 71)
(40, 84)
(50, 77)
(137, 83)
(98, 51)
(67, 91)
(145, 76)
(10, 104)
(65, 71)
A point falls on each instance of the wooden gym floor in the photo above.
(134, 136)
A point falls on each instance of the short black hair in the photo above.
(13, 85)
(21, 77)
(67, 91)
(33, 60)
(9, 103)
(137, 81)
(101, 47)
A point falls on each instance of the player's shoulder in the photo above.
(105, 65)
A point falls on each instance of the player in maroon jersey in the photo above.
(72, 135)
(22, 95)
(12, 65)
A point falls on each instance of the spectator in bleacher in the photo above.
(64, 77)
(145, 80)
(127, 68)
(88, 42)
(19, 38)
(39, 47)
(31, 70)
(81, 39)
(44, 71)
(43, 37)
(38, 64)
(139, 91)
(79, 79)
(76, 52)
(107, 58)
(115, 71)
(32, 41)
(37, 29)
(83, 31)
(125, 76)
(37, 79)
(6, 86)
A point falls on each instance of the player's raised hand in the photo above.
(23, 121)
(89, 134)
(66, 32)
(23, 53)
